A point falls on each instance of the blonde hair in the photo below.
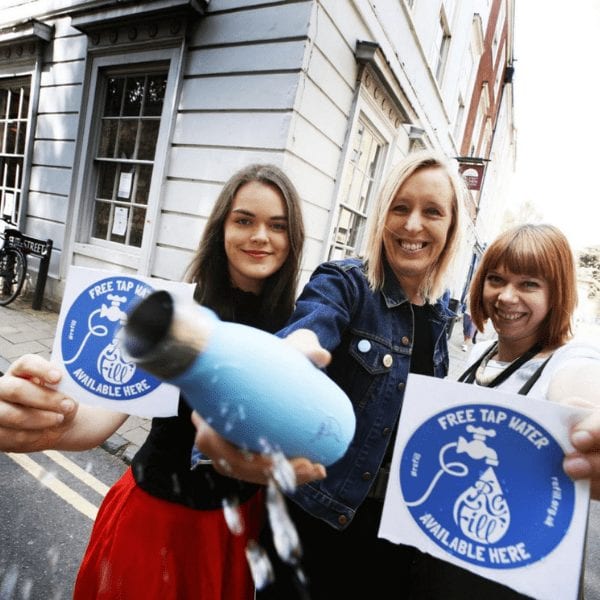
(538, 251)
(434, 284)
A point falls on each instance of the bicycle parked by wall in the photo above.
(13, 262)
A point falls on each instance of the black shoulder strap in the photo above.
(469, 375)
(530, 382)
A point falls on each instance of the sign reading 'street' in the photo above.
(96, 370)
(477, 480)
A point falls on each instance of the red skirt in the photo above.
(143, 547)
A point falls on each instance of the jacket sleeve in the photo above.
(326, 304)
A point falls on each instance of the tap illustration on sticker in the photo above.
(89, 340)
(486, 484)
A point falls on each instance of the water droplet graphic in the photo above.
(481, 511)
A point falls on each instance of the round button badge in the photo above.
(467, 476)
(89, 341)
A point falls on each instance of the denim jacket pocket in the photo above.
(374, 360)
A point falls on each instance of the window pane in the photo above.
(25, 102)
(108, 138)
(2, 127)
(143, 184)
(11, 138)
(126, 141)
(101, 216)
(21, 137)
(3, 103)
(119, 225)
(353, 197)
(13, 173)
(148, 137)
(126, 182)
(106, 181)
(137, 227)
(155, 95)
(134, 93)
(13, 111)
(114, 96)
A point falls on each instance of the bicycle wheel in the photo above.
(13, 267)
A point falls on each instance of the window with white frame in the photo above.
(124, 159)
(126, 138)
(475, 52)
(498, 31)
(458, 120)
(134, 69)
(441, 46)
(363, 167)
(14, 109)
(488, 133)
(482, 111)
(499, 74)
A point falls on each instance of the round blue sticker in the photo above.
(90, 348)
(486, 484)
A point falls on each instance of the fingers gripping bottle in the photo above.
(252, 387)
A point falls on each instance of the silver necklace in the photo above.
(483, 378)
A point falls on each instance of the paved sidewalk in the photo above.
(24, 330)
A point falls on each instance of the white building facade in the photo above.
(121, 119)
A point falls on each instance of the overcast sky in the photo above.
(557, 114)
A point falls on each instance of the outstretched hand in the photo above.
(33, 416)
(307, 342)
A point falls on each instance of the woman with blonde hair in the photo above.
(380, 318)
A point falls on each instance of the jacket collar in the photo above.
(394, 295)
(392, 290)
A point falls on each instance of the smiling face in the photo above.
(417, 225)
(518, 305)
(256, 235)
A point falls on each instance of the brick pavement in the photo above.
(24, 330)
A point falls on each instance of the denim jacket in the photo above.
(370, 336)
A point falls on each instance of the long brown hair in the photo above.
(209, 267)
(538, 251)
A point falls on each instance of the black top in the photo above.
(421, 361)
(162, 465)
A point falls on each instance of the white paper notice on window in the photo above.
(125, 181)
(95, 369)
(9, 203)
(477, 480)
(120, 220)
